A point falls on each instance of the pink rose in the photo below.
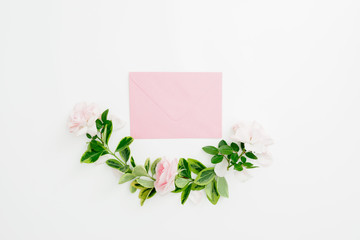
(165, 175)
(82, 119)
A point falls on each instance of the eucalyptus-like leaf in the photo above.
(211, 150)
(216, 159)
(222, 187)
(124, 143)
(211, 192)
(225, 150)
(181, 182)
(185, 194)
(145, 183)
(195, 166)
(139, 171)
(125, 154)
(183, 168)
(205, 176)
(235, 146)
(250, 155)
(147, 164)
(126, 177)
(153, 166)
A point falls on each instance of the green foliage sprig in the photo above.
(192, 175)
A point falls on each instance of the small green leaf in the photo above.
(99, 124)
(217, 159)
(114, 163)
(132, 161)
(250, 155)
(88, 136)
(243, 159)
(96, 146)
(125, 169)
(153, 166)
(125, 154)
(104, 115)
(238, 167)
(249, 165)
(145, 183)
(222, 143)
(195, 166)
(136, 185)
(205, 176)
(196, 187)
(234, 158)
(226, 150)
(124, 143)
(152, 193)
(181, 182)
(147, 164)
(90, 157)
(211, 150)
(107, 132)
(212, 192)
(235, 147)
(132, 189)
(126, 177)
(242, 145)
(177, 190)
(222, 187)
(183, 167)
(139, 171)
(143, 194)
(185, 194)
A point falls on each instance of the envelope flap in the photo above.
(176, 94)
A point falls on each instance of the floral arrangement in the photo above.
(247, 151)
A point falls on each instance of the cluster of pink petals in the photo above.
(165, 175)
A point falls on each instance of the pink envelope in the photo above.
(175, 105)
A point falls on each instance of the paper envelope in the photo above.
(175, 105)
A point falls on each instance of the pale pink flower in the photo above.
(82, 119)
(165, 175)
(253, 135)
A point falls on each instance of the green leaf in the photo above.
(195, 166)
(125, 154)
(212, 192)
(250, 155)
(222, 143)
(126, 177)
(205, 176)
(99, 124)
(114, 163)
(238, 167)
(147, 164)
(217, 159)
(107, 132)
(234, 158)
(88, 136)
(226, 150)
(185, 194)
(183, 167)
(96, 146)
(235, 147)
(249, 165)
(153, 166)
(139, 171)
(132, 189)
(145, 183)
(136, 185)
(211, 150)
(125, 169)
(90, 157)
(196, 187)
(243, 159)
(181, 182)
(124, 143)
(242, 145)
(152, 193)
(143, 194)
(222, 187)
(104, 115)
(177, 190)
(132, 161)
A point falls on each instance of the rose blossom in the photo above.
(253, 135)
(165, 175)
(82, 119)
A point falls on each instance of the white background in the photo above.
(291, 65)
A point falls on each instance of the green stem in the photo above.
(109, 151)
